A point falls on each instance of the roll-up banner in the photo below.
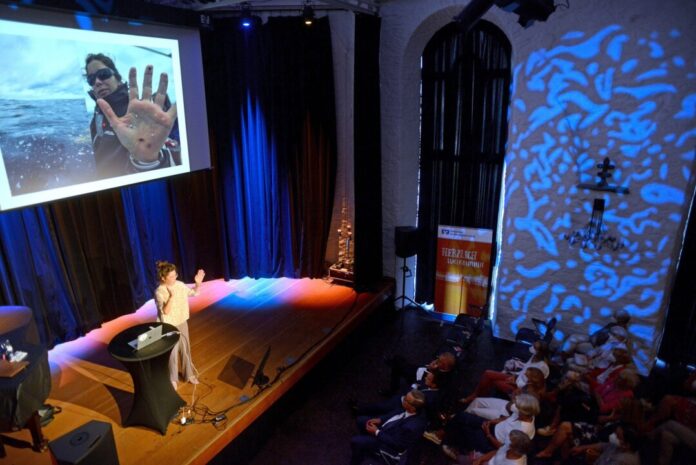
(463, 267)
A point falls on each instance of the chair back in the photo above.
(543, 330)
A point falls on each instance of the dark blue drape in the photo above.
(150, 224)
(31, 269)
(255, 200)
(271, 90)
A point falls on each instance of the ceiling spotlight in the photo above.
(245, 19)
(308, 14)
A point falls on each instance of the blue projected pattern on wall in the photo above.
(601, 94)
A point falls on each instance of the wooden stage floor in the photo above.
(231, 326)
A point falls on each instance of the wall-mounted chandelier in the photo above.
(595, 234)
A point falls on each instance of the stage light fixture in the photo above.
(527, 10)
(308, 14)
(245, 19)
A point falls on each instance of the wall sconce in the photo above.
(594, 235)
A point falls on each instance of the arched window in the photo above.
(465, 92)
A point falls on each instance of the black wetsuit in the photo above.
(112, 158)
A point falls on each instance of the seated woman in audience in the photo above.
(620, 360)
(622, 449)
(466, 432)
(492, 408)
(621, 318)
(508, 382)
(579, 424)
(611, 394)
(595, 359)
(601, 356)
(513, 452)
(575, 418)
(400, 369)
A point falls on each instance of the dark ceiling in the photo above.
(212, 6)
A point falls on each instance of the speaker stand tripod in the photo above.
(405, 273)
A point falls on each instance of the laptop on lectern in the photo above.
(150, 336)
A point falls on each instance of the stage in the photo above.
(232, 325)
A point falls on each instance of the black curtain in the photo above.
(263, 210)
(368, 155)
(679, 338)
(465, 97)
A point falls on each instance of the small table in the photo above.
(155, 402)
(22, 395)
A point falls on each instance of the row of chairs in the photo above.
(462, 336)
(461, 339)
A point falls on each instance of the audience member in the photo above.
(581, 426)
(508, 382)
(513, 452)
(492, 408)
(466, 432)
(429, 386)
(620, 360)
(622, 449)
(610, 394)
(393, 432)
(621, 318)
(401, 369)
(601, 356)
(575, 420)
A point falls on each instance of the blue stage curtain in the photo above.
(79, 262)
(264, 210)
(270, 90)
(255, 204)
(151, 229)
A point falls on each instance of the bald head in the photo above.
(413, 401)
(446, 361)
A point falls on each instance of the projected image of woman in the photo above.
(131, 133)
(171, 297)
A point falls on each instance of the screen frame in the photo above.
(189, 86)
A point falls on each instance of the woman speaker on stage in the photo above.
(171, 297)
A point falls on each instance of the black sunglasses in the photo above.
(103, 74)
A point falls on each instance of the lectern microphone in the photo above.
(260, 379)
